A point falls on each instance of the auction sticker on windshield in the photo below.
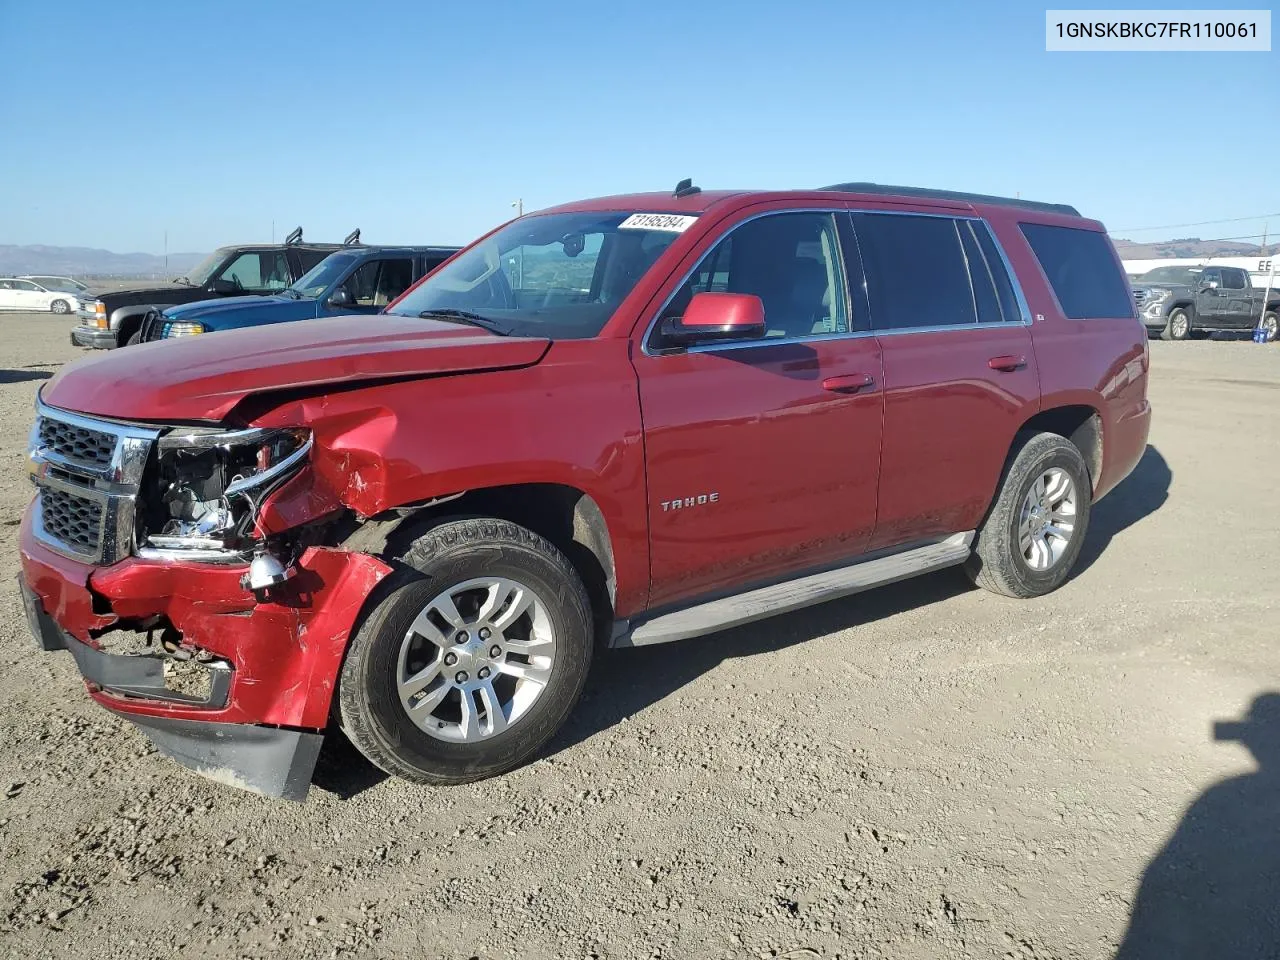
(672, 222)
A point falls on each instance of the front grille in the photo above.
(153, 325)
(88, 472)
(72, 520)
(90, 447)
(1139, 296)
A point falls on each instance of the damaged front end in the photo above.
(144, 555)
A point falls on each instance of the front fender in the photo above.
(134, 311)
(572, 420)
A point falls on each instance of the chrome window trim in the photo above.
(1023, 307)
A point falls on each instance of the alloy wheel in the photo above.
(475, 659)
(1048, 518)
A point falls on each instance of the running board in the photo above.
(791, 595)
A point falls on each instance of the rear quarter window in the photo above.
(1082, 270)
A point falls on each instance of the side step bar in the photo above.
(791, 595)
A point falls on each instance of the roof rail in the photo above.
(351, 238)
(294, 237)
(887, 190)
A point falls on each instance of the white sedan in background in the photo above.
(19, 293)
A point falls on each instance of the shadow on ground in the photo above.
(1138, 496)
(624, 682)
(1214, 889)
(22, 376)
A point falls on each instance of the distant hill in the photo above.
(1191, 247)
(90, 262)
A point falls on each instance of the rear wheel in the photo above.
(60, 306)
(470, 665)
(1031, 538)
(1178, 326)
(1270, 326)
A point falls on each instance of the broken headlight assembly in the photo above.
(205, 488)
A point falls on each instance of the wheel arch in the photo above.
(1079, 423)
(568, 517)
(126, 321)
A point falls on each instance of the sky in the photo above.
(422, 122)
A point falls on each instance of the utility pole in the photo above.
(519, 205)
(273, 231)
(166, 252)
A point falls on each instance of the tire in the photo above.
(999, 562)
(136, 337)
(450, 557)
(1178, 326)
(1270, 326)
(60, 306)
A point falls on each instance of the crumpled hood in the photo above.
(204, 377)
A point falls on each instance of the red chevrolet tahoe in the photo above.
(618, 422)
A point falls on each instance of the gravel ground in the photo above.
(925, 771)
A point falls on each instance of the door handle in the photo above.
(1007, 364)
(850, 383)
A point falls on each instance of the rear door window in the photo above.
(917, 272)
(1233, 278)
(1082, 269)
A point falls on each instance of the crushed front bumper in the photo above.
(259, 722)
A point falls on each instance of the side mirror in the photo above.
(224, 288)
(713, 317)
(340, 298)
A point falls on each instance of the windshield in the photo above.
(319, 278)
(557, 275)
(1183, 275)
(199, 275)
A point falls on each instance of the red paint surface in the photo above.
(805, 469)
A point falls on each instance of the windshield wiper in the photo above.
(291, 293)
(450, 315)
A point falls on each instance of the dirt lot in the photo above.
(926, 771)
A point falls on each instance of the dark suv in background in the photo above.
(115, 318)
(352, 280)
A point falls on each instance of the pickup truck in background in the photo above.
(352, 280)
(1177, 300)
(114, 319)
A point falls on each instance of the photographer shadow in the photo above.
(1214, 889)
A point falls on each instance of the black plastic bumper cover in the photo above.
(271, 760)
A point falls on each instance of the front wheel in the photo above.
(1031, 538)
(60, 306)
(469, 666)
(1270, 327)
(1178, 326)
